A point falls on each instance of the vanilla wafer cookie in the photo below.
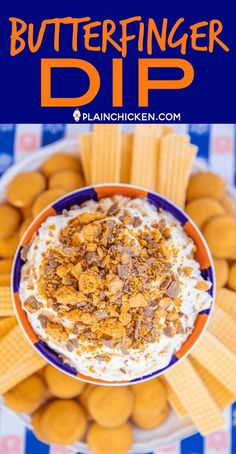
(106, 153)
(226, 300)
(174, 401)
(126, 157)
(18, 359)
(6, 307)
(169, 160)
(6, 324)
(146, 142)
(220, 394)
(175, 159)
(222, 326)
(85, 143)
(24, 188)
(217, 359)
(195, 397)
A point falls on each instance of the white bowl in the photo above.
(173, 429)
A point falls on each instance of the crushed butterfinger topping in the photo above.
(110, 281)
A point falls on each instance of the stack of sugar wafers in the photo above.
(202, 385)
(152, 157)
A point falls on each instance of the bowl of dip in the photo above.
(113, 284)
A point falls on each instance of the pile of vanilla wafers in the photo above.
(202, 385)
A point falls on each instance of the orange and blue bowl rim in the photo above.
(96, 192)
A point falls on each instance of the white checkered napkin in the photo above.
(226, 300)
(217, 359)
(106, 153)
(146, 143)
(6, 307)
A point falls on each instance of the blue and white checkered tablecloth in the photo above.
(217, 145)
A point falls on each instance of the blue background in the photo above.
(209, 99)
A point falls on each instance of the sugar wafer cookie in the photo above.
(226, 299)
(174, 401)
(217, 359)
(168, 160)
(5, 279)
(146, 142)
(220, 394)
(195, 397)
(106, 153)
(126, 157)
(167, 129)
(222, 326)
(18, 359)
(175, 161)
(85, 143)
(6, 307)
(6, 324)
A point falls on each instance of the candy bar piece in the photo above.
(126, 157)
(220, 394)
(174, 165)
(223, 326)
(6, 324)
(218, 360)
(226, 300)
(106, 153)
(195, 397)
(6, 307)
(18, 359)
(85, 142)
(145, 155)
